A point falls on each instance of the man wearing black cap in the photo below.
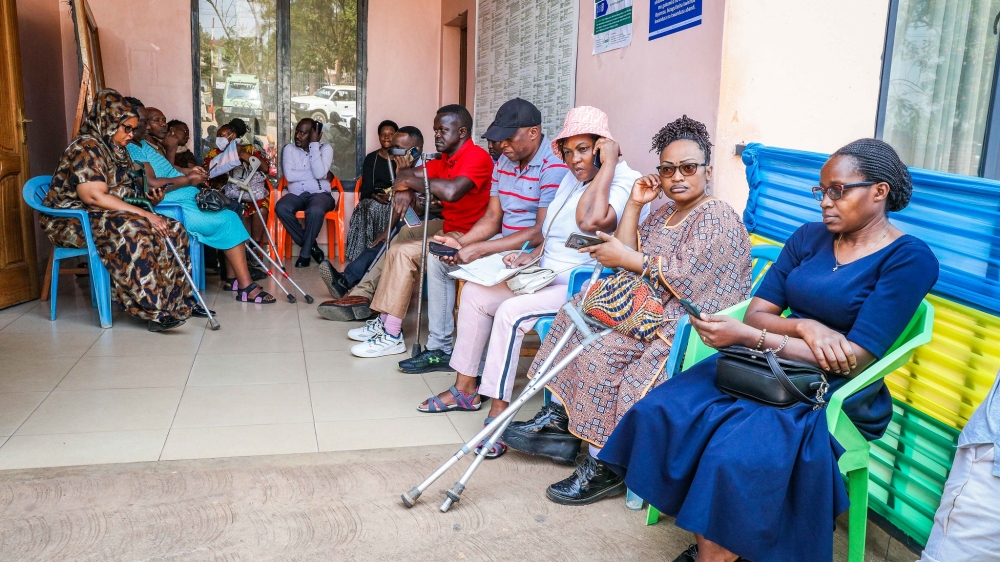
(524, 182)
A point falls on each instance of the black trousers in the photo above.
(315, 205)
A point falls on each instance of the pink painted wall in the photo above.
(404, 50)
(146, 45)
(650, 83)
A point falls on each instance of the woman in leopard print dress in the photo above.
(93, 175)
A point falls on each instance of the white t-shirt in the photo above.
(562, 210)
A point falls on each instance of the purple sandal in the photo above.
(262, 297)
(498, 448)
(463, 403)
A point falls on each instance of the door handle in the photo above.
(24, 127)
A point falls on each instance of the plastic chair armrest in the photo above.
(78, 214)
(173, 209)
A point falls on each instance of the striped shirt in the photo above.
(523, 191)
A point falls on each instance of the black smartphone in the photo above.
(439, 249)
(597, 159)
(690, 308)
(318, 127)
(577, 241)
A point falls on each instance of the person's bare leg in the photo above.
(236, 266)
(708, 551)
(465, 385)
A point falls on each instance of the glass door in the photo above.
(238, 70)
(324, 54)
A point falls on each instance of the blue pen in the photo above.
(523, 248)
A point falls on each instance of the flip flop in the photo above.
(463, 403)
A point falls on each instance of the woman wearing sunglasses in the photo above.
(93, 175)
(694, 245)
(760, 482)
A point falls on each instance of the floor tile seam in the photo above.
(243, 425)
(177, 408)
(305, 366)
(90, 432)
(48, 395)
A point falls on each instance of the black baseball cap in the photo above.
(511, 116)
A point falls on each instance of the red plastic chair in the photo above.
(335, 233)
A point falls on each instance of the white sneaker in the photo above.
(380, 346)
(371, 329)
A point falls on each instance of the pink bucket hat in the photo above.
(583, 120)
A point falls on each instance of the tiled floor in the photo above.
(275, 379)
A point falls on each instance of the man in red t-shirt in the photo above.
(461, 180)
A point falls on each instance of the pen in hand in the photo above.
(519, 254)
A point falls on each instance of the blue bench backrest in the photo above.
(957, 216)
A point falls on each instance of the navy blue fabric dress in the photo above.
(762, 482)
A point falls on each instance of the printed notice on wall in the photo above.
(612, 25)
(671, 16)
(527, 49)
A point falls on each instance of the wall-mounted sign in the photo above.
(612, 25)
(671, 16)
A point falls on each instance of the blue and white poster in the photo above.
(671, 16)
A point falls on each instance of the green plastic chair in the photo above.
(854, 462)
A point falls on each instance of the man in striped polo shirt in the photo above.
(524, 183)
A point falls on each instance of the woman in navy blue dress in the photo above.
(758, 482)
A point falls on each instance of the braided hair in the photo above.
(877, 161)
(238, 126)
(683, 128)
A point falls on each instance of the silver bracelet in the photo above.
(782, 346)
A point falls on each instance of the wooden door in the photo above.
(18, 264)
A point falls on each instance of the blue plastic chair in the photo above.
(34, 193)
(176, 212)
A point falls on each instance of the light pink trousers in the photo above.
(496, 316)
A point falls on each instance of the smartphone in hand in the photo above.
(577, 241)
(597, 159)
(439, 249)
(411, 218)
(690, 308)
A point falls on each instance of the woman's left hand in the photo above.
(719, 331)
(611, 253)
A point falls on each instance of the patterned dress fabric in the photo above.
(368, 221)
(706, 259)
(145, 278)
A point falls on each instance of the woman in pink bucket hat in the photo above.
(589, 199)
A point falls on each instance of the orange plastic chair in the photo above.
(335, 234)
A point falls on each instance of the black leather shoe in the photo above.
(163, 325)
(545, 435)
(317, 254)
(591, 481)
(198, 311)
(689, 555)
(334, 280)
(302, 262)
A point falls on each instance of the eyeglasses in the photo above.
(128, 129)
(687, 169)
(835, 192)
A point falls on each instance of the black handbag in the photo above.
(211, 200)
(764, 378)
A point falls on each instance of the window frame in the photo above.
(989, 161)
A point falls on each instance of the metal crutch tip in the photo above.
(214, 324)
(309, 299)
(291, 297)
(446, 505)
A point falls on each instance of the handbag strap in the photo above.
(786, 383)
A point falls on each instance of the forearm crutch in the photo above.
(253, 253)
(146, 204)
(423, 261)
(245, 185)
(580, 322)
(212, 322)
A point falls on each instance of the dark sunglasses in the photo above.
(128, 129)
(835, 192)
(686, 170)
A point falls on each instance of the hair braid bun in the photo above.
(877, 161)
(681, 129)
